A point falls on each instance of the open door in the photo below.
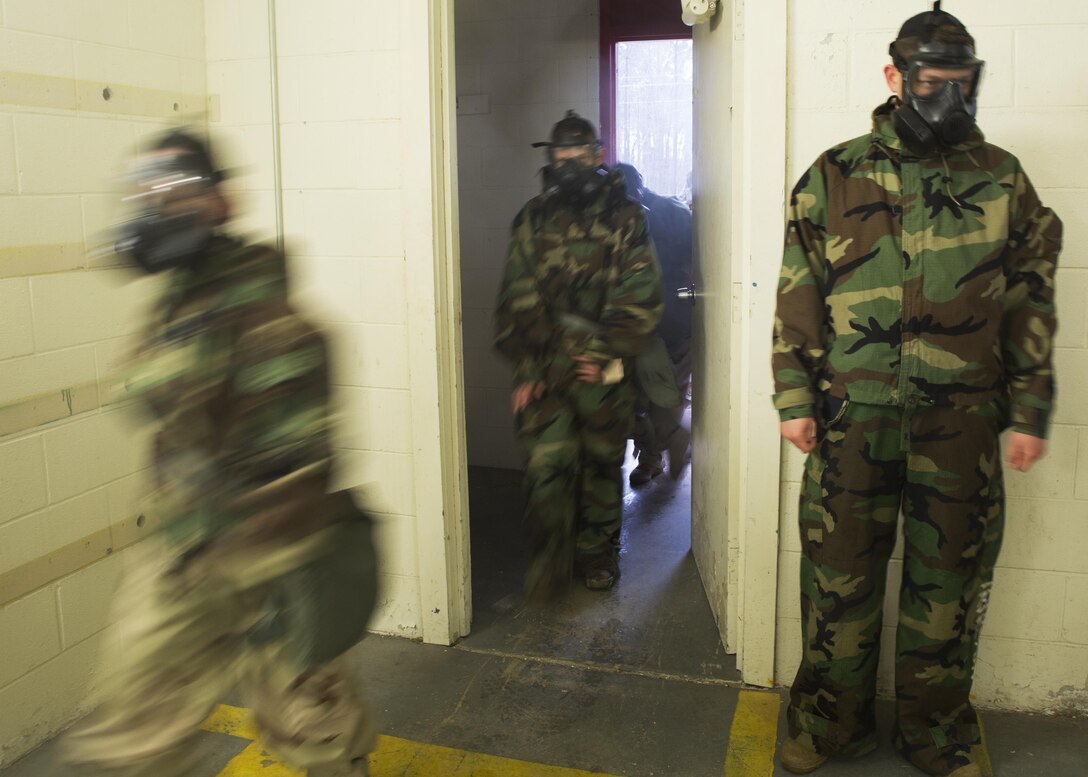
(713, 534)
(738, 187)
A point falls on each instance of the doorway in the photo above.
(518, 70)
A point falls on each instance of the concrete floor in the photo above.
(632, 683)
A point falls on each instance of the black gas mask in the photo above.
(169, 224)
(937, 112)
(575, 177)
(575, 180)
(940, 84)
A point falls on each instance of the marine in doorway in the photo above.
(580, 297)
(915, 323)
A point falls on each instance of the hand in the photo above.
(801, 432)
(588, 370)
(524, 393)
(1023, 450)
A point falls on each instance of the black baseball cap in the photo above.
(571, 130)
(196, 153)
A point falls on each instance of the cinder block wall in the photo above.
(351, 162)
(1034, 650)
(71, 462)
(530, 61)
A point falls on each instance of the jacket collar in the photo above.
(884, 134)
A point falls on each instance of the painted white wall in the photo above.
(355, 115)
(532, 61)
(68, 485)
(1034, 651)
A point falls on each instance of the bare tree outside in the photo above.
(653, 112)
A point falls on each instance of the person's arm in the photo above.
(277, 422)
(799, 345)
(634, 302)
(523, 325)
(1035, 238)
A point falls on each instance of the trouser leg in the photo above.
(953, 508)
(670, 432)
(848, 513)
(314, 719)
(551, 447)
(180, 639)
(604, 416)
(643, 432)
(659, 429)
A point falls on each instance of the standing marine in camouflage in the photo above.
(915, 322)
(261, 579)
(580, 296)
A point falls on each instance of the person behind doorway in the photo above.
(915, 322)
(580, 297)
(257, 577)
(659, 423)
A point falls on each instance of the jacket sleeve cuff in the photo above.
(797, 411)
(802, 395)
(528, 371)
(1030, 420)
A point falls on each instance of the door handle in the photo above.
(686, 294)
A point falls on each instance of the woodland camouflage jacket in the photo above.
(917, 281)
(238, 384)
(578, 282)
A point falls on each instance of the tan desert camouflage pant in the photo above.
(182, 641)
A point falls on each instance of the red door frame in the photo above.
(624, 20)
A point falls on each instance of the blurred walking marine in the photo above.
(580, 297)
(663, 371)
(915, 322)
(259, 577)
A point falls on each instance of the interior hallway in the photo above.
(631, 683)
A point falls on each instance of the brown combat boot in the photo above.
(601, 572)
(800, 758)
(645, 472)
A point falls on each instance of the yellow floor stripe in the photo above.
(753, 735)
(255, 760)
(982, 754)
(394, 757)
(235, 721)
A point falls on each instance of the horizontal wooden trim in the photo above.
(25, 260)
(74, 556)
(30, 412)
(33, 90)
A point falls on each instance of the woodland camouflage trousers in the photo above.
(941, 466)
(574, 443)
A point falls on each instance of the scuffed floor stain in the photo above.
(1070, 701)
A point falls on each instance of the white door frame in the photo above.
(434, 331)
(759, 110)
(759, 113)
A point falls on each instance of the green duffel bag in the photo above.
(322, 608)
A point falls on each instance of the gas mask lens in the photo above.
(572, 156)
(167, 224)
(926, 81)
